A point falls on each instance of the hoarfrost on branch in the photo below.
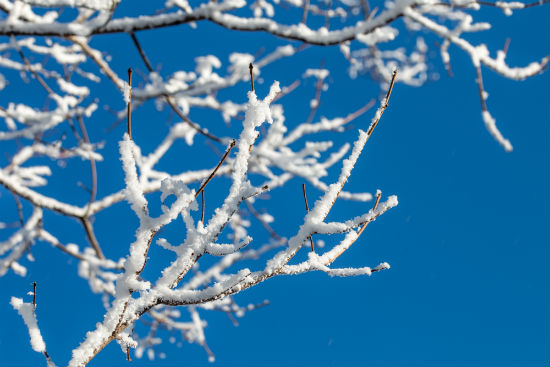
(368, 38)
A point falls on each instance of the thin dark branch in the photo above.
(202, 206)
(128, 358)
(141, 52)
(34, 294)
(93, 169)
(481, 90)
(169, 99)
(317, 98)
(266, 225)
(194, 125)
(91, 236)
(307, 210)
(215, 169)
(373, 209)
(19, 207)
(251, 67)
(386, 101)
(33, 72)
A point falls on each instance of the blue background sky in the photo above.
(468, 243)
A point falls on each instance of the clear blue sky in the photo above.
(468, 244)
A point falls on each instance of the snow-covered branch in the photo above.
(220, 246)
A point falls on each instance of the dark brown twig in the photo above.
(128, 358)
(129, 106)
(383, 107)
(91, 236)
(141, 52)
(33, 72)
(378, 195)
(194, 125)
(251, 67)
(307, 210)
(19, 207)
(216, 169)
(34, 294)
(202, 205)
(169, 99)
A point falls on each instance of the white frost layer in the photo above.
(26, 310)
(490, 124)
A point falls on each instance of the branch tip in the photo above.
(251, 67)
(34, 294)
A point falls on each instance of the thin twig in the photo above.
(34, 294)
(372, 126)
(194, 125)
(266, 225)
(128, 358)
(251, 67)
(85, 219)
(50, 363)
(286, 90)
(365, 7)
(352, 116)
(216, 169)
(202, 206)
(32, 71)
(91, 237)
(506, 46)
(129, 107)
(306, 10)
(378, 195)
(233, 320)
(96, 57)
(169, 99)
(318, 91)
(307, 210)
(19, 207)
(93, 169)
(479, 81)
(55, 243)
(141, 52)
(383, 107)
